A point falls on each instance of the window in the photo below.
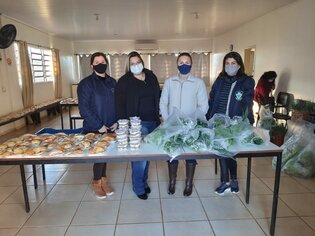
(164, 65)
(42, 64)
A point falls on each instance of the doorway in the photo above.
(249, 61)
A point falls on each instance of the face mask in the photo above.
(184, 69)
(231, 70)
(136, 69)
(100, 68)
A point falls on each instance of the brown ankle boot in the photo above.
(97, 188)
(106, 187)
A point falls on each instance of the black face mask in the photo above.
(100, 68)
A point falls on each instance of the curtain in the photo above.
(117, 65)
(26, 75)
(164, 66)
(201, 66)
(84, 65)
(57, 74)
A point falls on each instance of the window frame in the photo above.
(44, 59)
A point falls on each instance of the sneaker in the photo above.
(234, 186)
(222, 188)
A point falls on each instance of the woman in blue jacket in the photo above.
(232, 94)
(97, 108)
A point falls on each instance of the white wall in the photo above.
(10, 92)
(284, 41)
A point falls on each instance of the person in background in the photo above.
(264, 87)
(138, 94)
(232, 94)
(97, 108)
(186, 93)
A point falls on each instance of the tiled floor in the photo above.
(66, 205)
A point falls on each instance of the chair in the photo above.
(283, 106)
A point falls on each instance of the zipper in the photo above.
(229, 99)
(180, 97)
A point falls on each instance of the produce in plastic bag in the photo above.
(298, 157)
(224, 136)
(303, 163)
(266, 120)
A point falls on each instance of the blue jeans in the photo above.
(140, 169)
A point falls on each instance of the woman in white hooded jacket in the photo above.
(186, 93)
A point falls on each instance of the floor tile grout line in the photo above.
(122, 192)
(160, 198)
(205, 212)
(34, 209)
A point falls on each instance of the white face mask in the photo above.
(136, 69)
(232, 70)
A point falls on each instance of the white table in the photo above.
(150, 152)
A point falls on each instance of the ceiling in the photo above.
(137, 19)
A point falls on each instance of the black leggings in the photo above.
(99, 170)
(228, 165)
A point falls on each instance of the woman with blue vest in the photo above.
(138, 94)
(232, 94)
(187, 93)
(97, 108)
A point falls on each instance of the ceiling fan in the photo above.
(7, 35)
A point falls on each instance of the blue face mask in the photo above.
(184, 69)
(231, 70)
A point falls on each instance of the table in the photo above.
(69, 102)
(150, 152)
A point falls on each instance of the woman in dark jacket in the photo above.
(137, 94)
(97, 108)
(232, 94)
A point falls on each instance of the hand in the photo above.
(114, 127)
(103, 129)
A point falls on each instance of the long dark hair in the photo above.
(237, 57)
(98, 54)
(130, 55)
(269, 75)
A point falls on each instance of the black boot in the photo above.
(172, 171)
(190, 171)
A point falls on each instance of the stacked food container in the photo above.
(129, 135)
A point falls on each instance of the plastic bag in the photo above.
(298, 157)
(266, 120)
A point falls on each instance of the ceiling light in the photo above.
(195, 14)
(97, 16)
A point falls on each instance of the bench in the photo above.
(32, 111)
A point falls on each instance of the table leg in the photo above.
(70, 120)
(27, 203)
(61, 116)
(249, 171)
(275, 195)
(34, 176)
(43, 172)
